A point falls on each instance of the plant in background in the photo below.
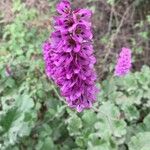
(68, 56)
(124, 62)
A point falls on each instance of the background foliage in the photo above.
(32, 113)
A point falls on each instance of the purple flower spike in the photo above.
(68, 56)
(124, 62)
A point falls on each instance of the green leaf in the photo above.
(74, 125)
(140, 141)
(7, 120)
(24, 103)
(102, 145)
(16, 121)
(80, 141)
(144, 35)
(131, 113)
(146, 123)
(89, 118)
(111, 2)
(109, 122)
(47, 144)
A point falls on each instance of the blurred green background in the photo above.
(33, 115)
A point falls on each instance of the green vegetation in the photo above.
(33, 115)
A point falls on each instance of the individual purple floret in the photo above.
(64, 7)
(8, 71)
(124, 62)
(68, 56)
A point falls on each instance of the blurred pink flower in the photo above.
(123, 65)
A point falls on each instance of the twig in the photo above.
(114, 36)
(57, 94)
(110, 20)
